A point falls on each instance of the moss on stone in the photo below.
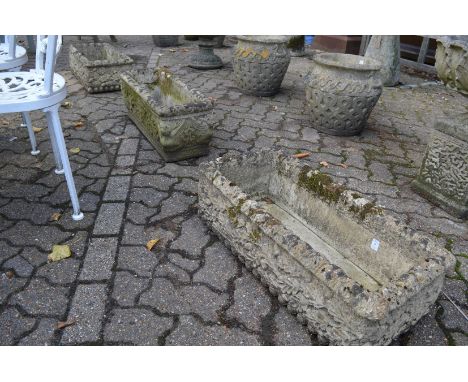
(321, 184)
(366, 209)
(255, 235)
(234, 211)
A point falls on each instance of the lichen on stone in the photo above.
(366, 209)
(321, 184)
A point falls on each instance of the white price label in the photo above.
(375, 244)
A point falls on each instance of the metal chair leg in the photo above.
(53, 117)
(32, 137)
(53, 141)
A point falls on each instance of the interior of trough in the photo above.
(341, 240)
(97, 52)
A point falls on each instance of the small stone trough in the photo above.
(98, 66)
(353, 274)
(175, 119)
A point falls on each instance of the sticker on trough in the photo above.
(375, 244)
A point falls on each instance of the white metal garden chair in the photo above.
(42, 89)
(12, 58)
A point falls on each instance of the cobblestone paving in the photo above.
(190, 290)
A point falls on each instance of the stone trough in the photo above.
(98, 66)
(175, 119)
(352, 273)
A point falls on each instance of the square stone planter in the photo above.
(443, 176)
(175, 119)
(98, 66)
(352, 273)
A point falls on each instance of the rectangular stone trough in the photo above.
(175, 119)
(353, 274)
(98, 66)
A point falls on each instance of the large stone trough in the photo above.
(354, 274)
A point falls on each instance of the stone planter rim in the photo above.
(347, 61)
(265, 39)
(122, 60)
(391, 295)
(200, 104)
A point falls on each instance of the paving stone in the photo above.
(137, 259)
(191, 332)
(21, 267)
(109, 219)
(187, 264)
(99, 259)
(125, 161)
(40, 298)
(460, 339)
(452, 318)
(148, 196)
(219, 267)
(138, 213)
(43, 335)
(159, 182)
(426, 331)
(177, 171)
(140, 235)
(128, 147)
(127, 287)
(117, 188)
(172, 272)
(136, 327)
(457, 291)
(174, 205)
(187, 185)
(87, 309)
(168, 298)
(251, 302)
(7, 251)
(289, 331)
(193, 237)
(37, 213)
(60, 272)
(13, 325)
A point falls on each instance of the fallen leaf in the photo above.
(78, 124)
(301, 155)
(59, 252)
(5, 122)
(184, 50)
(343, 165)
(324, 164)
(9, 274)
(37, 129)
(55, 216)
(74, 150)
(172, 50)
(67, 104)
(64, 324)
(150, 244)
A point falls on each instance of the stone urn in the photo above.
(219, 41)
(341, 91)
(451, 62)
(386, 49)
(260, 63)
(296, 46)
(205, 59)
(166, 41)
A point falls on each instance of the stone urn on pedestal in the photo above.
(386, 49)
(205, 58)
(452, 62)
(341, 91)
(260, 63)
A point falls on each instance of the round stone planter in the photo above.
(166, 41)
(341, 91)
(452, 63)
(260, 63)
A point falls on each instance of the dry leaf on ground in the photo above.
(55, 216)
(150, 244)
(37, 129)
(64, 324)
(4, 122)
(9, 274)
(78, 124)
(343, 165)
(324, 163)
(67, 104)
(301, 155)
(59, 252)
(74, 150)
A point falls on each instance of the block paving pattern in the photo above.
(190, 290)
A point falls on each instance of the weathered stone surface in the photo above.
(362, 292)
(13, 325)
(191, 332)
(21, 267)
(60, 272)
(43, 335)
(289, 332)
(451, 62)
(87, 309)
(386, 50)
(168, 298)
(127, 288)
(427, 332)
(452, 319)
(117, 188)
(99, 259)
(9, 285)
(137, 260)
(193, 237)
(136, 327)
(109, 219)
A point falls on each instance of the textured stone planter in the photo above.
(98, 66)
(386, 50)
(341, 91)
(175, 119)
(443, 176)
(165, 41)
(452, 62)
(260, 63)
(352, 273)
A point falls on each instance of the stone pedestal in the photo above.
(386, 49)
(205, 59)
(443, 177)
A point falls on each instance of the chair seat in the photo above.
(24, 91)
(7, 62)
